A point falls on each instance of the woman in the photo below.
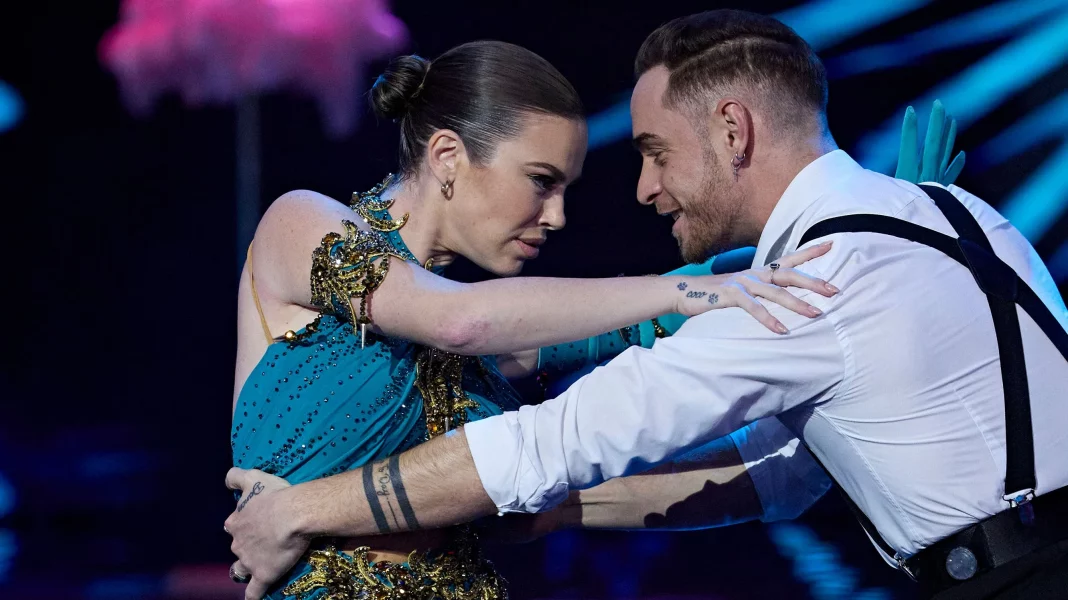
(485, 159)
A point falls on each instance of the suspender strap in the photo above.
(1001, 284)
(1004, 289)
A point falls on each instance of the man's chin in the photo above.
(697, 253)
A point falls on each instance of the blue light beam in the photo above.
(822, 23)
(1050, 121)
(989, 23)
(1058, 263)
(1042, 199)
(977, 90)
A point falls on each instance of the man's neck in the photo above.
(772, 174)
(420, 197)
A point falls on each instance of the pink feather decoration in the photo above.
(219, 51)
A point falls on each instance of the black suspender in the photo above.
(1004, 289)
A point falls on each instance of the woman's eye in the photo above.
(543, 182)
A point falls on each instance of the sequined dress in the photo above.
(322, 401)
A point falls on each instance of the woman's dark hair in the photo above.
(480, 90)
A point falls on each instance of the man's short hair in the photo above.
(715, 52)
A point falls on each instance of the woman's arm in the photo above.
(503, 315)
(565, 361)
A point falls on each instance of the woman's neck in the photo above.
(423, 233)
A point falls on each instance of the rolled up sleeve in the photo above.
(721, 371)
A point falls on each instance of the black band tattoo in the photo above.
(696, 294)
(256, 489)
(713, 299)
(382, 478)
(682, 286)
(402, 495)
(372, 499)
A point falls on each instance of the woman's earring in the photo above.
(446, 189)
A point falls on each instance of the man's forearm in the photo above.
(707, 488)
(433, 485)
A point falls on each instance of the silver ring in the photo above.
(238, 578)
(774, 267)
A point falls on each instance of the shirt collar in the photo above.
(807, 187)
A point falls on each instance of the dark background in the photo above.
(121, 283)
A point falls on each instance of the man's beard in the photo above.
(709, 217)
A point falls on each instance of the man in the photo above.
(897, 388)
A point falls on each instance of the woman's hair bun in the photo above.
(394, 90)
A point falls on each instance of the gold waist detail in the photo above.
(456, 572)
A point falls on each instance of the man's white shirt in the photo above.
(896, 388)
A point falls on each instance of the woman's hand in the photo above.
(701, 294)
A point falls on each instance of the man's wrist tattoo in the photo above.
(256, 489)
(382, 484)
(371, 492)
(402, 494)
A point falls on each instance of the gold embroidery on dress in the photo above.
(367, 203)
(344, 268)
(459, 572)
(439, 377)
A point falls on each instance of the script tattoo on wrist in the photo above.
(256, 489)
(382, 484)
(696, 294)
(372, 499)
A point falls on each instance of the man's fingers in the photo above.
(256, 589)
(237, 479)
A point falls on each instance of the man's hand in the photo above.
(263, 528)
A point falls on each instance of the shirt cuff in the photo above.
(786, 477)
(512, 483)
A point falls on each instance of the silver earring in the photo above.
(736, 162)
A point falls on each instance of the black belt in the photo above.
(991, 543)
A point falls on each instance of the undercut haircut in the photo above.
(721, 52)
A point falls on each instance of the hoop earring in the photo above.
(736, 162)
(446, 189)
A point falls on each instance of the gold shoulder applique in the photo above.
(366, 204)
(344, 268)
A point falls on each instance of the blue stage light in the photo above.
(993, 22)
(10, 107)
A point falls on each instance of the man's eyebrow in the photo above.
(643, 141)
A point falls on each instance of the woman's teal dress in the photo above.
(322, 401)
